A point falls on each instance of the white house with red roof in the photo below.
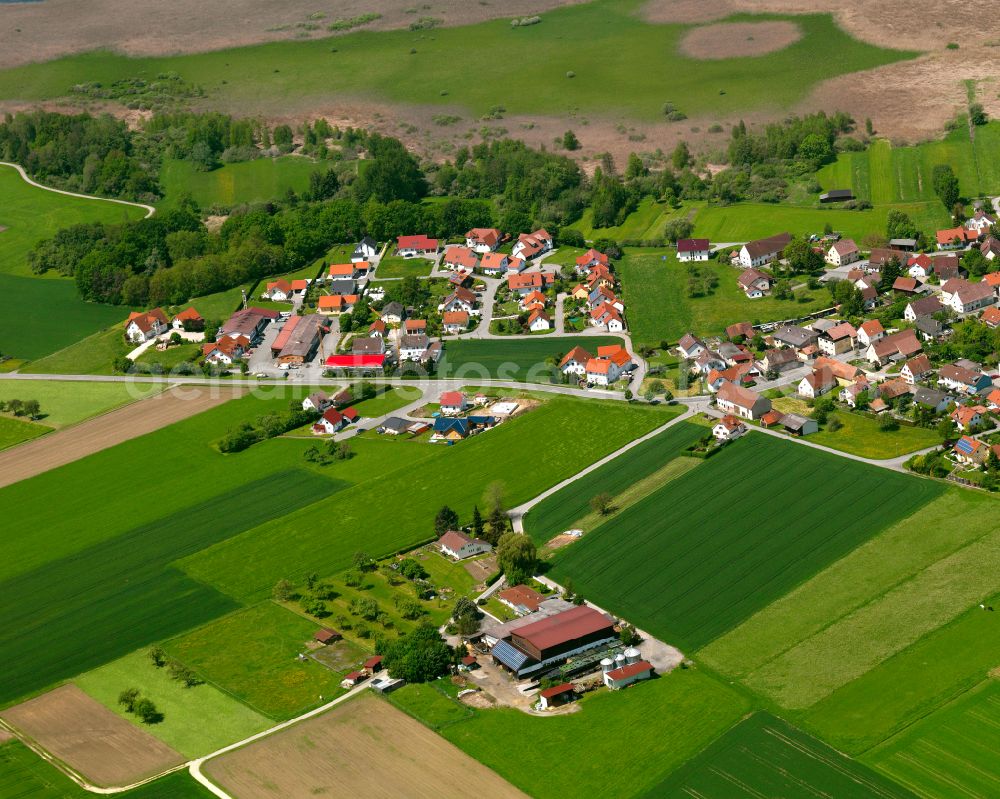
(482, 239)
(980, 221)
(494, 264)
(532, 245)
(419, 246)
(226, 350)
(575, 362)
(590, 259)
(459, 257)
(330, 421)
(626, 675)
(870, 332)
(741, 402)
(142, 327)
(539, 321)
(188, 319)
(842, 253)
(455, 321)
(278, 291)
(965, 297)
(611, 363)
(456, 544)
(693, 249)
(728, 428)
(453, 403)
(608, 317)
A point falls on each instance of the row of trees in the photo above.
(30, 408)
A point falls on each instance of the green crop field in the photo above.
(764, 756)
(93, 355)
(389, 400)
(430, 705)
(657, 305)
(698, 563)
(29, 214)
(395, 266)
(235, 184)
(248, 566)
(658, 724)
(557, 513)
(184, 710)
(922, 572)
(40, 316)
(25, 775)
(65, 403)
(885, 174)
(251, 655)
(123, 591)
(418, 68)
(514, 359)
(15, 431)
(952, 753)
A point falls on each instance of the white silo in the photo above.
(632, 655)
(607, 665)
(619, 660)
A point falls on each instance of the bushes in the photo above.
(268, 426)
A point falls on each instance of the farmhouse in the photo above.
(552, 640)
(521, 599)
(482, 239)
(991, 317)
(693, 249)
(278, 291)
(964, 297)
(143, 326)
(755, 284)
(458, 545)
(318, 401)
(879, 256)
(821, 381)
(925, 306)
(330, 422)
(414, 246)
(839, 338)
(900, 345)
(961, 378)
(763, 251)
(916, 369)
(843, 252)
(741, 402)
(920, 266)
(728, 428)
(226, 350)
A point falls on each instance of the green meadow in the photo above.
(68, 402)
(184, 710)
(698, 563)
(235, 184)
(251, 655)
(91, 355)
(532, 360)
(885, 174)
(15, 431)
(657, 305)
(552, 73)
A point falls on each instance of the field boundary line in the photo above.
(149, 209)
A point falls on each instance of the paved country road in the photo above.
(150, 210)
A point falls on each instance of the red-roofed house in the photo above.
(454, 321)
(820, 382)
(458, 257)
(458, 545)
(416, 246)
(494, 264)
(843, 252)
(453, 403)
(991, 317)
(575, 361)
(741, 402)
(528, 282)
(336, 303)
(188, 319)
(693, 249)
(870, 332)
(331, 421)
(278, 291)
(556, 695)
(916, 369)
(144, 326)
(300, 286)
(521, 599)
(839, 338)
(539, 321)
(226, 350)
(531, 245)
(590, 259)
(905, 285)
(956, 238)
(728, 428)
(607, 316)
(966, 417)
(342, 271)
(482, 239)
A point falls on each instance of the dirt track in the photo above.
(736, 39)
(365, 747)
(62, 447)
(78, 730)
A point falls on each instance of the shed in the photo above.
(557, 695)
(836, 196)
(326, 636)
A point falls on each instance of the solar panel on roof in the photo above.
(510, 656)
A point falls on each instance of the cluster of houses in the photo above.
(597, 291)
(392, 337)
(335, 412)
(604, 369)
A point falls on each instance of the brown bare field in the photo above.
(90, 739)
(735, 39)
(43, 31)
(364, 747)
(64, 446)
